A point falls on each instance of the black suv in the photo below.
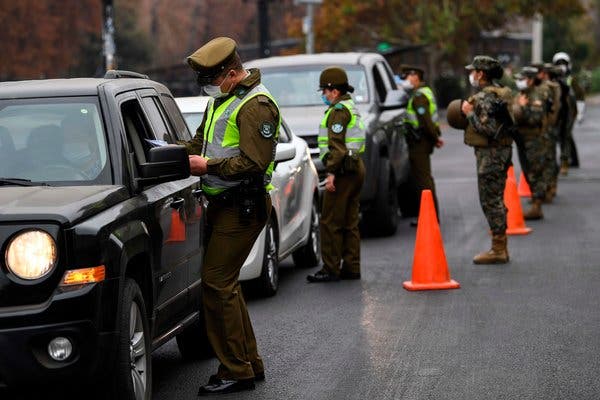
(100, 232)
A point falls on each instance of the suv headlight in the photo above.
(31, 255)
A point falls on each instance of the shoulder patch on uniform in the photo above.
(263, 99)
(267, 129)
(338, 106)
(421, 110)
(337, 128)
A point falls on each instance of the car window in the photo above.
(182, 130)
(156, 119)
(379, 84)
(193, 121)
(390, 76)
(297, 86)
(139, 135)
(53, 140)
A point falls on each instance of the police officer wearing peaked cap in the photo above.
(233, 150)
(422, 129)
(341, 141)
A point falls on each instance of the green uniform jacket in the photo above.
(431, 132)
(256, 152)
(337, 141)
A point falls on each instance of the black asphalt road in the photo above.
(526, 330)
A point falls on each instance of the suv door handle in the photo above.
(177, 203)
(197, 192)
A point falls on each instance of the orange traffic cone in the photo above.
(177, 231)
(514, 218)
(524, 190)
(430, 269)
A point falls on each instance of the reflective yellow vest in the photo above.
(355, 131)
(222, 138)
(411, 114)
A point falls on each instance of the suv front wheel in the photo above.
(134, 363)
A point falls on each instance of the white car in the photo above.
(294, 224)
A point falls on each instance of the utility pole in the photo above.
(537, 38)
(108, 35)
(263, 28)
(307, 23)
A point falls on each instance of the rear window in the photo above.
(53, 140)
(298, 86)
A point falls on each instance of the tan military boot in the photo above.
(564, 168)
(498, 254)
(535, 212)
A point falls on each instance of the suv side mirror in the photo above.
(395, 99)
(165, 163)
(285, 152)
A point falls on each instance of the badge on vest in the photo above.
(337, 128)
(267, 129)
(421, 110)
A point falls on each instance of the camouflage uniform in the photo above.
(493, 153)
(531, 120)
(551, 138)
(488, 131)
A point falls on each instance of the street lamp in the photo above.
(108, 33)
(307, 23)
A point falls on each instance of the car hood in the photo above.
(305, 121)
(64, 204)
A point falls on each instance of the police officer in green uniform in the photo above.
(422, 129)
(233, 150)
(341, 141)
(487, 132)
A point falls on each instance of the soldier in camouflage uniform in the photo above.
(547, 76)
(529, 110)
(488, 114)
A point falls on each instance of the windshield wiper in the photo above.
(20, 182)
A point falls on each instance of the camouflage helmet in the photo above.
(455, 116)
(527, 72)
(490, 65)
(334, 78)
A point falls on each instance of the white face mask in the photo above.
(473, 81)
(564, 68)
(406, 85)
(521, 84)
(213, 91)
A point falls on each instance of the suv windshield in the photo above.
(53, 140)
(298, 86)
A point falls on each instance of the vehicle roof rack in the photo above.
(118, 73)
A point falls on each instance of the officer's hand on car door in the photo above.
(197, 165)
(329, 183)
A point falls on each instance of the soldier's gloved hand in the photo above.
(580, 111)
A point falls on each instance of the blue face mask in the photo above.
(325, 100)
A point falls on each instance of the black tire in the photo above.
(268, 282)
(382, 218)
(133, 373)
(193, 341)
(309, 255)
